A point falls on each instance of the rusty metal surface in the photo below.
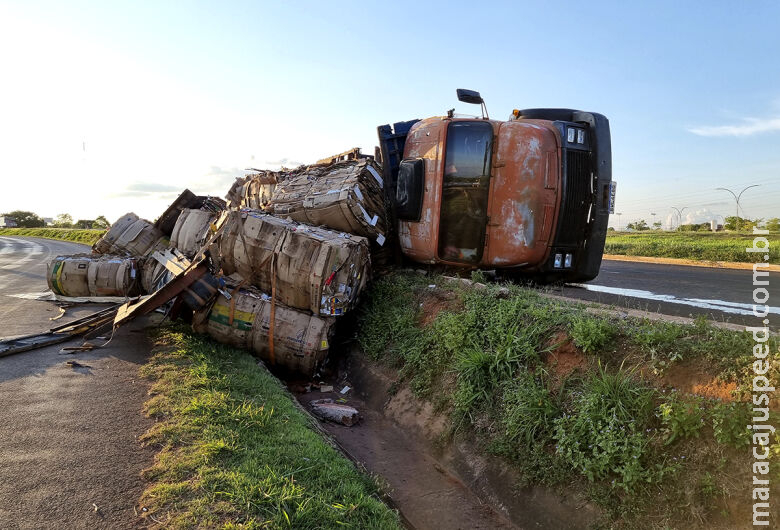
(426, 140)
(523, 196)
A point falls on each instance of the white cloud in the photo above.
(701, 215)
(749, 127)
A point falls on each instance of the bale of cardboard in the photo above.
(130, 236)
(94, 276)
(303, 267)
(294, 340)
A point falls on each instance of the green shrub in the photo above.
(729, 423)
(604, 433)
(592, 334)
(681, 417)
(529, 411)
(665, 342)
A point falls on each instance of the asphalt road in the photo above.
(23, 272)
(69, 450)
(720, 294)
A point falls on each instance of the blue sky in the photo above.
(109, 107)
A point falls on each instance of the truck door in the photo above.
(465, 188)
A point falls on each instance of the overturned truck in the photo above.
(273, 268)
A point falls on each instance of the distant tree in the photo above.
(85, 223)
(695, 227)
(101, 222)
(25, 219)
(657, 225)
(773, 224)
(611, 229)
(639, 225)
(63, 220)
(740, 223)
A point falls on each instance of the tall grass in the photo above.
(710, 246)
(76, 235)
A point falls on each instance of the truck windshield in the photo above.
(465, 185)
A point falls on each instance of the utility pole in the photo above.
(736, 198)
(618, 214)
(653, 214)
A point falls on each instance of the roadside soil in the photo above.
(70, 456)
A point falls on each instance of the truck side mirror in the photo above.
(409, 189)
(469, 96)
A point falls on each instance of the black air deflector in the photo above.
(409, 189)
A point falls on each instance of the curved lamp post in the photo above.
(736, 198)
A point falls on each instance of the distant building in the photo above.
(7, 222)
(48, 221)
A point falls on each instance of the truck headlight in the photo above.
(567, 261)
(570, 134)
(558, 261)
(580, 136)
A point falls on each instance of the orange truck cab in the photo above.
(531, 195)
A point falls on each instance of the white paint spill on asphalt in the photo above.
(734, 308)
(46, 296)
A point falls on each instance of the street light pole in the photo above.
(679, 214)
(736, 198)
(618, 214)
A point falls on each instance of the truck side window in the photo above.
(465, 189)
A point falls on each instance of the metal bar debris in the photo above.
(58, 334)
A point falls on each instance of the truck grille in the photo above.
(576, 198)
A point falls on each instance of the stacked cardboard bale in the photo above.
(191, 230)
(345, 196)
(130, 236)
(93, 276)
(308, 268)
(254, 190)
(188, 229)
(290, 255)
(282, 336)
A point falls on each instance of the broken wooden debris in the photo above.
(187, 199)
(59, 334)
(147, 304)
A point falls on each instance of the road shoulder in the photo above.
(690, 262)
(71, 456)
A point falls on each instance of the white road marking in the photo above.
(734, 308)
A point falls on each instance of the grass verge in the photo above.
(235, 451)
(76, 235)
(709, 246)
(648, 419)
